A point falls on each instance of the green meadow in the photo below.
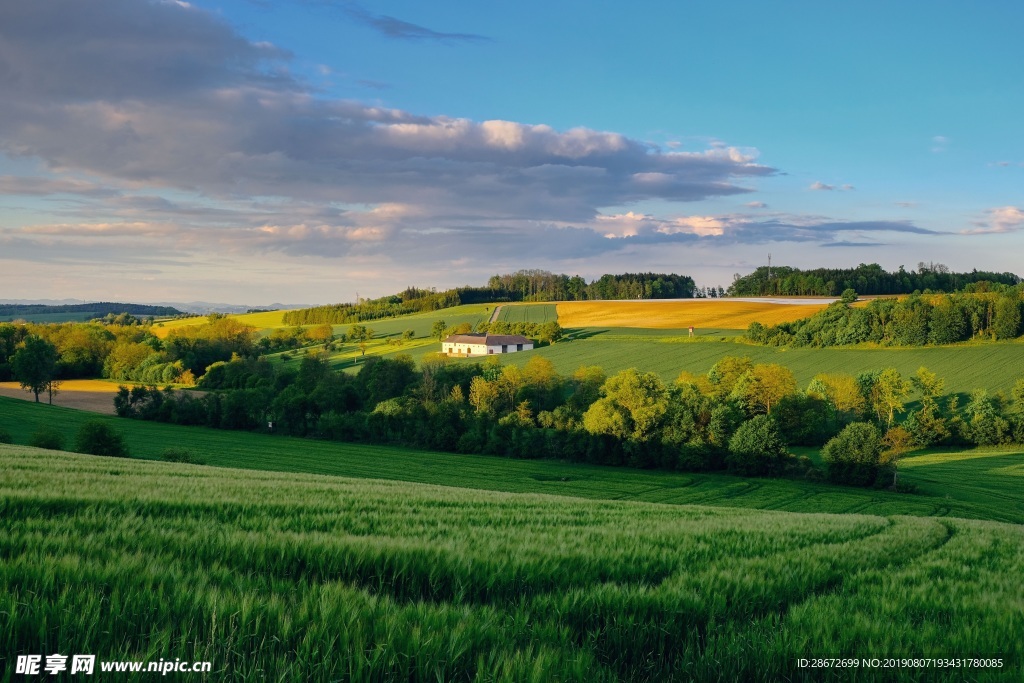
(986, 365)
(284, 577)
(989, 365)
(528, 313)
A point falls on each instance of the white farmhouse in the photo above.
(484, 344)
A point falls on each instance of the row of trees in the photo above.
(866, 279)
(412, 300)
(542, 285)
(41, 356)
(740, 416)
(915, 320)
(523, 285)
(100, 309)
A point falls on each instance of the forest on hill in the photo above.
(864, 279)
(915, 320)
(523, 285)
(96, 310)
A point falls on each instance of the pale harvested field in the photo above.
(81, 394)
(723, 314)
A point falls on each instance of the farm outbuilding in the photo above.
(484, 344)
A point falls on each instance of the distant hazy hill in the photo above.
(198, 307)
(53, 313)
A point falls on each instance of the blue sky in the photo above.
(251, 151)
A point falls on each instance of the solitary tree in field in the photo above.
(321, 334)
(35, 365)
(438, 329)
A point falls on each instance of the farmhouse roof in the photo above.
(488, 339)
(508, 339)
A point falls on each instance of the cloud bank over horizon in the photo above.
(156, 135)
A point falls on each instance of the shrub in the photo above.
(181, 455)
(854, 455)
(47, 437)
(99, 438)
(757, 447)
(5, 436)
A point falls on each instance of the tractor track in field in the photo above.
(830, 585)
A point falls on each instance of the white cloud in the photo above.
(1001, 219)
(825, 187)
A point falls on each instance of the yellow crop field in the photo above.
(261, 321)
(162, 329)
(75, 385)
(722, 314)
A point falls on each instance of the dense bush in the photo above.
(757, 448)
(183, 455)
(99, 438)
(5, 436)
(854, 455)
(47, 437)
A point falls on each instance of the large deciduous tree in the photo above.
(763, 386)
(888, 393)
(35, 365)
(854, 455)
(632, 406)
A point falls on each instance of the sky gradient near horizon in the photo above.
(249, 151)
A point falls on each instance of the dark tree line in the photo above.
(865, 279)
(129, 351)
(98, 309)
(916, 320)
(740, 416)
(410, 301)
(541, 285)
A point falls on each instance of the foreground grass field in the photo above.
(977, 484)
(300, 578)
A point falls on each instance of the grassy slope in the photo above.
(974, 485)
(293, 577)
(992, 365)
(528, 313)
